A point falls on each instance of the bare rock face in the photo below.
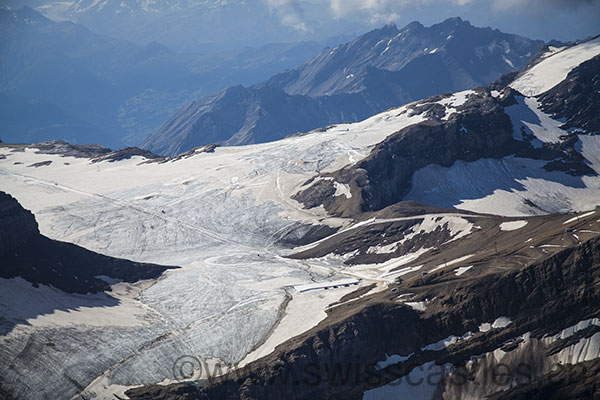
(18, 225)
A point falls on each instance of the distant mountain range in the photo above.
(59, 80)
(200, 25)
(383, 68)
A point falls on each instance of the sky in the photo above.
(539, 19)
(257, 22)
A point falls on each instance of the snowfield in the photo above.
(527, 116)
(512, 225)
(453, 102)
(217, 215)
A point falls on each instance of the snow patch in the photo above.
(384, 249)
(576, 218)
(449, 263)
(417, 305)
(459, 227)
(444, 343)
(376, 270)
(589, 147)
(454, 101)
(527, 116)
(461, 270)
(342, 189)
(506, 60)
(402, 271)
(326, 285)
(512, 225)
(500, 322)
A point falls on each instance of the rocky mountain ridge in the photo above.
(383, 68)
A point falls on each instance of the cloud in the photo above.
(383, 9)
(341, 8)
(375, 12)
(290, 13)
(536, 5)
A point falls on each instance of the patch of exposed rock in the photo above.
(126, 154)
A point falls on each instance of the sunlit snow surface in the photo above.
(216, 215)
(555, 68)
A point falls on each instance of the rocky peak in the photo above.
(413, 26)
(450, 23)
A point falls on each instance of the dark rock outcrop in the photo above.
(95, 152)
(18, 225)
(63, 148)
(126, 154)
